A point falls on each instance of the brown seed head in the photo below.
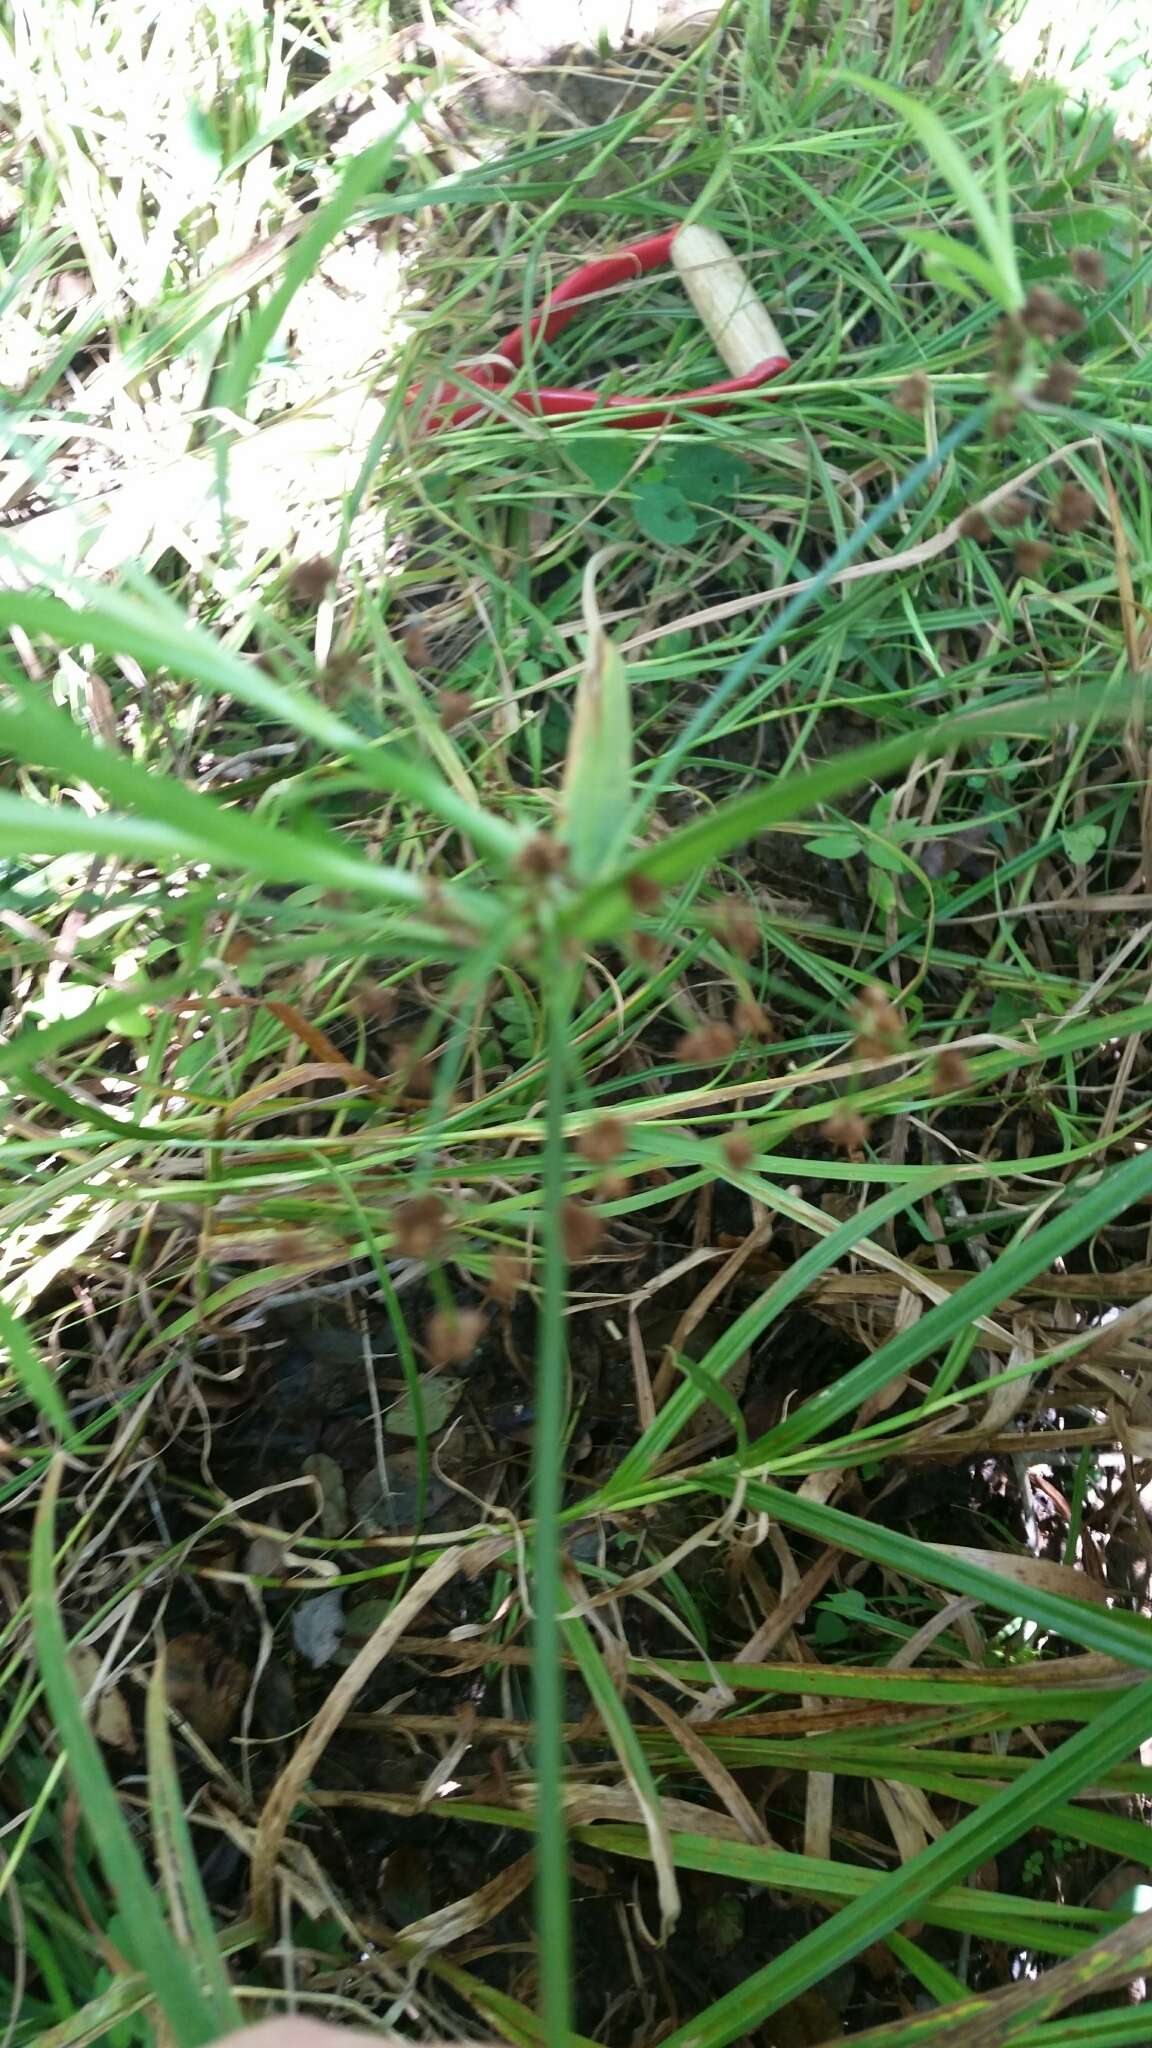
(452, 1334)
(541, 858)
(1012, 511)
(418, 1226)
(643, 893)
(582, 1228)
(738, 1149)
(750, 1020)
(380, 1004)
(707, 1045)
(647, 948)
(308, 581)
(1059, 386)
(847, 1130)
(913, 394)
(1031, 556)
(453, 707)
(603, 1141)
(950, 1072)
(739, 927)
(341, 674)
(417, 646)
(1087, 266)
(974, 526)
(508, 1275)
(1075, 508)
(1049, 317)
(879, 1025)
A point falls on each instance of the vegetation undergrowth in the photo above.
(575, 1266)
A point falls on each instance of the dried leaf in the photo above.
(285, 1794)
(108, 1713)
(440, 1394)
(333, 1493)
(468, 1915)
(318, 1627)
(1029, 1571)
(205, 1685)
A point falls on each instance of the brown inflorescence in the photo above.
(603, 1141)
(452, 1334)
(707, 1045)
(879, 1025)
(848, 1130)
(913, 394)
(418, 1225)
(642, 892)
(738, 1149)
(1074, 508)
(1049, 317)
(750, 1019)
(950, 1072)
(1059, 386)
(308, 581)
(508, 1274)
(1031, 556)
(583, 1229)
(1087, 267)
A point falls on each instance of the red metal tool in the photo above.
(740, 326)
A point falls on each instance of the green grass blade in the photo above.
(553, 1929)
(905, 1892)
(607, 908)
(625, 1740)
(158, 635)
(598, 770)
(747, 1328)
(187, 2012)
(40, 733)
(276, 856)
(1119, 1189)
(361, 176)
(956, 170)
(1127, 1637)
(31, 1373)
(703, 721)
(176, 1859)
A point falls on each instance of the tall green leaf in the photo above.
(598, 770)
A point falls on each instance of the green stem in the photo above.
(552, 1896)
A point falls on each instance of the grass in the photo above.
(695, 1001)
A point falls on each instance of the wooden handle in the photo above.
(743, 331)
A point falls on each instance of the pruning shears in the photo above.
(742, 329)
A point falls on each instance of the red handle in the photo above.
(561, 307)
